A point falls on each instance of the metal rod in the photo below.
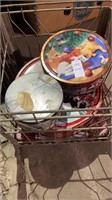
(56, 111)
(47, 3)
(21, 32)
(27, 137)
(9, 68)
(11, 29)
(63, 130)
(108, 91)
(3, 66)
(72, 139)
(104, 80)
(57, 117)
(31, 28)
(55, 9)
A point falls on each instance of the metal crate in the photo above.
(22, 40)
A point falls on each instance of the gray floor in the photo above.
(76, 171)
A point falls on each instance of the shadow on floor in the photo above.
(52, 165)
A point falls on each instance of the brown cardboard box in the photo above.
(57, 18)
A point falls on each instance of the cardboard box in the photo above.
(58, 18)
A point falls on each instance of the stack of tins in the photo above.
(78, 59)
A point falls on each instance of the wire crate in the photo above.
(23, 33)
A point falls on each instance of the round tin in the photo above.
(32, 66)
(72, 123)
(81, 89)
(92, 100)
(45, 93)
(76, 58)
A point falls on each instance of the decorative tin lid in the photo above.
(33, 92)
(76, 56)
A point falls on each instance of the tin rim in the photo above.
(27, 65)
(76, 82)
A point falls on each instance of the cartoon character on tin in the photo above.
(93, 55)
(72, 47)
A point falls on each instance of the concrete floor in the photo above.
(75, 171)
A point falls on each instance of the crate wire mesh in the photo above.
(15, 35)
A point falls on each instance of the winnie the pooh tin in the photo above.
(76, 58)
